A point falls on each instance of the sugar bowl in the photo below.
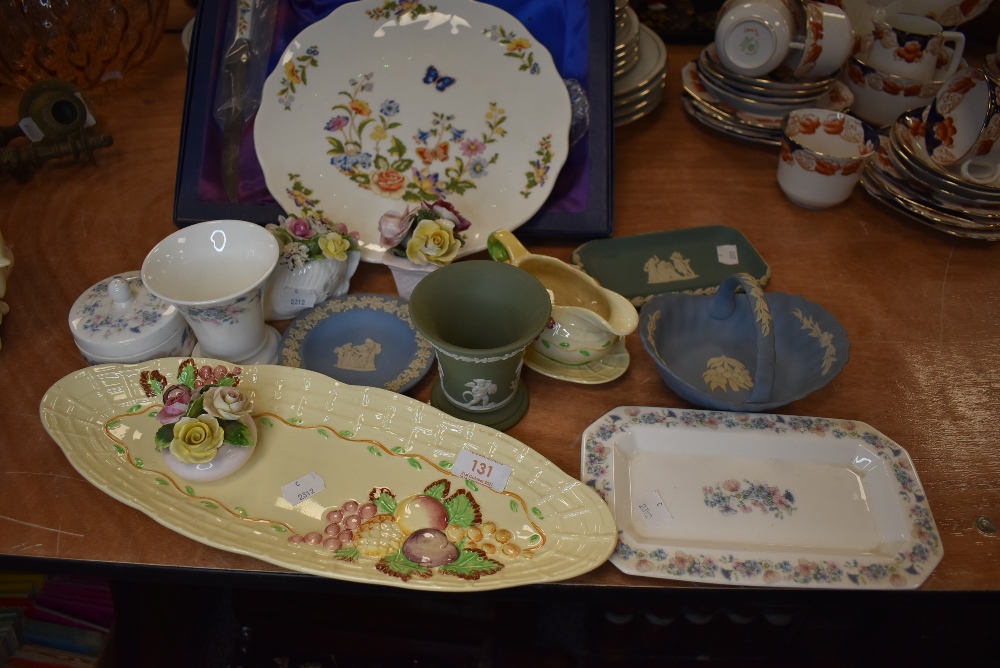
(117, 320)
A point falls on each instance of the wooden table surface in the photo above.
(921, 309)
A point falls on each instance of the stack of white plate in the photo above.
(748, 107)
(904, 177)
(626, 38)
(640, 67)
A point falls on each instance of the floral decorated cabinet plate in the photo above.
(360, 340)
(383, 104)
(696, 260)
(377, 464)
(760, 499)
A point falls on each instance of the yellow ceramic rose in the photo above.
(334, 246)
(433, 242)
(196, 440)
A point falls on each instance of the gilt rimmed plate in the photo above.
(760, 499)
(362, 444)
(376, 107)
(906, 135)
(938, 220)
(649, 70)
(838, 98)
(886, 169)
(709, 117)
(359, 339)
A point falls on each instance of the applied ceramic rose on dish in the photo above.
(381, 496)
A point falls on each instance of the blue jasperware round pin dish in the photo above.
(739, 350)
(359, 339)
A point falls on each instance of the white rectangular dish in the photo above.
(760, 499)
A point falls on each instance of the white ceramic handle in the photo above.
(980, 170)
(958, 40)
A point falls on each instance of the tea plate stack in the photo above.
(640, 67)
(752, 108)
(905, 178)
(626, 38)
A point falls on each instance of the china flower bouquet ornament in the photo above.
(206, 430)
(318, 259)
(421, 240)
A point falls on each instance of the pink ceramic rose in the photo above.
(393, 226)
(447, 210)
(176, 400)
(299, 227)
(341, 229)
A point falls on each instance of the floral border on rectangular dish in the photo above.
(724, 561)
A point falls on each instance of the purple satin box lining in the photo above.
(580, 205)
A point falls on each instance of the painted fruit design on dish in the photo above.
(432, 531)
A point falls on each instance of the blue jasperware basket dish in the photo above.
(740, 351)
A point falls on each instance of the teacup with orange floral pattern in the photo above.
(962, 124)
(823, 153)
(912, 46)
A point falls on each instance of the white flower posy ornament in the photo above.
(311, 237)
(202, 414)
(430, 234)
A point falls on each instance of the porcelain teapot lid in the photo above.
(118, 318)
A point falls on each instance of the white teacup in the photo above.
(963, 121)
(880, 97)
(753, 37)
(982, 163)
(823, 153)
(912, 46)
(828, 42)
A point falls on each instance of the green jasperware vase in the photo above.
(480, 316)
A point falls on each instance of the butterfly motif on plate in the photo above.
(430, 154)
(433, 77)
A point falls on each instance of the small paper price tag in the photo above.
(727, 254)
(299, 490)
(477, 468)
(650, 507)
(91, 121)
(31, 129)
(294, 298)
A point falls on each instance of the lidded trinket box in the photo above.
(118, 320)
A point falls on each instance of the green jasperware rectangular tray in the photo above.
(695, 260)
